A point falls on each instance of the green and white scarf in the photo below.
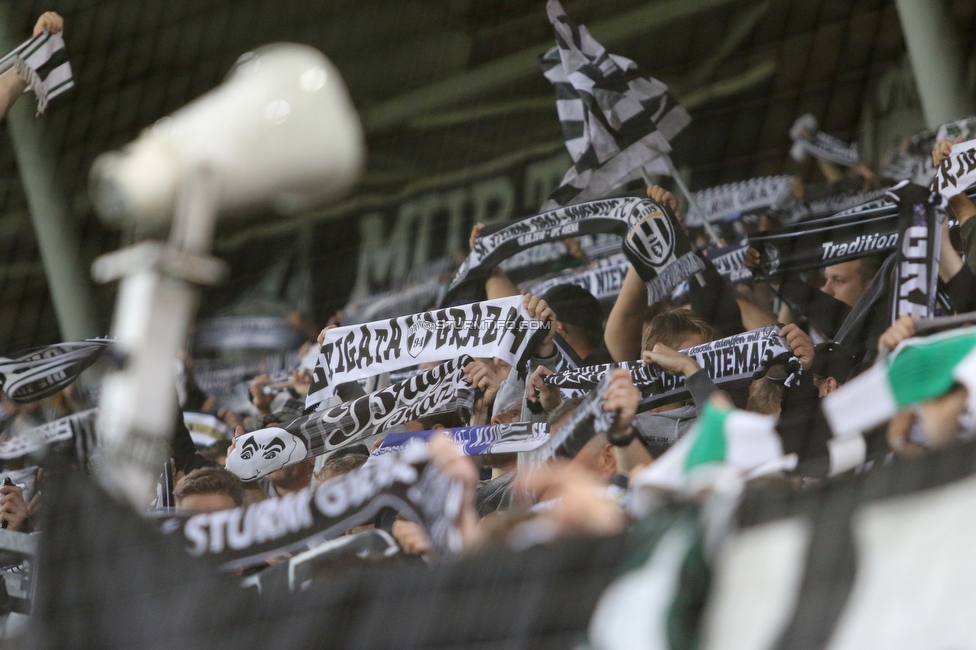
(919, 369)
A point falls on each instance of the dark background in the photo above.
(745, 69)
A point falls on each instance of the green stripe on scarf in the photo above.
(923, 371)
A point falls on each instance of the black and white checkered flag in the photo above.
(42, 63)
(615, 121)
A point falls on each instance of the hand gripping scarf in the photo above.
(653, 242)
(729, 361)
(42, 63)
(403, 481)
(587, 421)
(500, 329)
(732, 201)
(475, 441)
(957, 173)
(41, 372)
(438, 390)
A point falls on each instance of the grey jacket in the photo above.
(661, 430)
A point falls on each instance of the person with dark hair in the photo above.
(833, 364)
(579, 321)
(209, 489)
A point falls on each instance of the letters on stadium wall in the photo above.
(370, 244)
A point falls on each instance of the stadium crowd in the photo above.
(583, 474)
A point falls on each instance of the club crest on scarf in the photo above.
(652, 239)
(419, 335)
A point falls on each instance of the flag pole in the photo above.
(712, 234)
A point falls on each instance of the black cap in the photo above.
(832, 359)
(574, 305)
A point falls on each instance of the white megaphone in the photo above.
(280, 131)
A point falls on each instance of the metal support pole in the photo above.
(936, 60)
(55, 230)
(156, 302)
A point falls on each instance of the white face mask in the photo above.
(264, 451)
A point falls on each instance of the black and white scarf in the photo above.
(730, 361)
(817, 207)
(404, 481)
(41, 63)
(603, 281)
(615, 121)
(869, 229)
(540, 260)
(475, 441)
(819, 145)
(653, 242)
(957, 173)
(501, 329)
(732, 201)
(435, 391)
(729, 261)
(587, 421)
(393, 303)
(76, 433)
(247, 333)
(916, 275)
(41, 372)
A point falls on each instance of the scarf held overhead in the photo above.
(957, 173)
(475, 441)
(587, 421)
(438, 390)
(603, 281)
(729, 361)
(653, 242)
(42, 63)
(403, 481)
(869, 229)
(920, 216)
(77, 427)
(808, 139)
(500, 329)
(730, 202)
(41, 372)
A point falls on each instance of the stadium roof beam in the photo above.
(513, 67)
(726, 87)
(936, 59)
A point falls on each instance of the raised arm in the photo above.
(626, 321)
(498, 285)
